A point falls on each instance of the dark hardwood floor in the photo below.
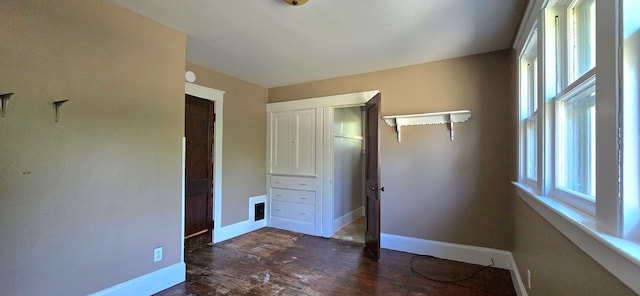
(276, 262)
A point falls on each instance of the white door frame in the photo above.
(217, 96)
(328, 164)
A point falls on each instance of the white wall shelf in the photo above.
(449, 117)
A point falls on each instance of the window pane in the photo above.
(529, 110)
(576, 143)
(631, 116)
(584, 37)
(529, 88)
(532, 147)
(534, 85)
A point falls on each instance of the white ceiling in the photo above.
(270, 43)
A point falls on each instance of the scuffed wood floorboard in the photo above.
(276, 262)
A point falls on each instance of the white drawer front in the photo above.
(292, 210)
(293, 225)
(293, 183)
(300, 196)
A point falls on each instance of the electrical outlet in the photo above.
(157, 254)
(529, 279)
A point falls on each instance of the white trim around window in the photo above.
(605, 225)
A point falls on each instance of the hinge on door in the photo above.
(214, 117)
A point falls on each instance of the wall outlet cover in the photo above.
(157, 254)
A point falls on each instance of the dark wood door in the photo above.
(198, 129)
(372, 176)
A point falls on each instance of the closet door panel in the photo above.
(281, 149)
(304, 131)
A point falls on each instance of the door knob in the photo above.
(374, 188)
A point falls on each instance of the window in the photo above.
(588, 66)
(582, 39)
(574, 95)
(529, 111)
(569, 105)
(576, 143)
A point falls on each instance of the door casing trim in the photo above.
(217, 96)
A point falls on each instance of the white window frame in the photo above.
(528, 64)
(558, 71)
(604, 233)
(569, 28)
(581, 201)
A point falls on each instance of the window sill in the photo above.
(619, 256)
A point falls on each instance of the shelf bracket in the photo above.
(451, 132)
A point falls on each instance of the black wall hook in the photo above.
(57, 105)
(5, 101)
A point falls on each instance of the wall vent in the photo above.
(259, 211)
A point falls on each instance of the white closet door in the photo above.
(304, 142)
(281, 149)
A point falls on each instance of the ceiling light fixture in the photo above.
(296, 2)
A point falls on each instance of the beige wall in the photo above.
(84, 201)
(456, 192)
(244, 143)
(558, 267)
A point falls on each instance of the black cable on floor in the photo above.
(446, 281)
(458, 281)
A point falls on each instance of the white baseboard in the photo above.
(230, 231)
(347, 218)
(469, 254)
(518, 284)
(462, 253)
(150, 283)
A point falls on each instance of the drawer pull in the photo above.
(303, 213)
(303, 197)
(278, 210)
(278, 182)
(278, 194)
(303, 184)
